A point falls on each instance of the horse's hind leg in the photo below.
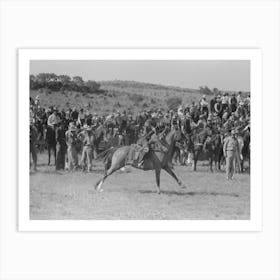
(172, 173)
(98, 185)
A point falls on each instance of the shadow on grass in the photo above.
(177, 193)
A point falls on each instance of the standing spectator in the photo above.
(203, 105)
(225, 101)
(231, 149)
(87, 139)
(74, 115)
(71, 141)
(233, 103)
(81, 118)
(213, 101)
(239, 97)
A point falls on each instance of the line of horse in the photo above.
(203, 145)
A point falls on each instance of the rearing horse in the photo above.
(116, 158)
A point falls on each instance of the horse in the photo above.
(51, 142)
(116, 158)
(198, 145)
(218, 150)
(244, 146)
(182, 150)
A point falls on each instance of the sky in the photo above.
(231, 75)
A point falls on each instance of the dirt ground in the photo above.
(131, 194)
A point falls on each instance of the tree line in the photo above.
(55, 82)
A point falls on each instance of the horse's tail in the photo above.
(106, 155)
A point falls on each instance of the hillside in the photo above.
(118, 95)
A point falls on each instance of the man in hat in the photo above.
(53, 119)
(231, 149)
(81, 117)
(71, 141)
(87, 138)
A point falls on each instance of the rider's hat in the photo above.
(72, 127)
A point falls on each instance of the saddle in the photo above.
(159, 147)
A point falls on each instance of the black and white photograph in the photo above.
(140, 139)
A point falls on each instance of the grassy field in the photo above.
(131, 194)
(118, 95)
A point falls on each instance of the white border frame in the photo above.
(254, 55)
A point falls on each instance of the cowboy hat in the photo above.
(72, 127)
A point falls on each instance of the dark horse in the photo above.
(206, 146)
(51, 142)
(116, 158)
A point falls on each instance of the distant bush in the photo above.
(92, 86)
(173, 102)
(62, 83)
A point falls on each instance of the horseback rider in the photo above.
(143, 145)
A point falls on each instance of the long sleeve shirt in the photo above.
(71, 138)
(231, 144)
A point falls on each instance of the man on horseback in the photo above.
(149, 141)
(53, 119)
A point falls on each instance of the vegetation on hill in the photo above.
(55, 82)
(63, 91)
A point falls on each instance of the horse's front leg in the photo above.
(157, 172)
(49, 155)
(54, 150)
(194, 163)
(211, 162)
(172, 173)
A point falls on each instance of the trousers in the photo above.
(230, 164)
(87, 157)
(72, 157)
